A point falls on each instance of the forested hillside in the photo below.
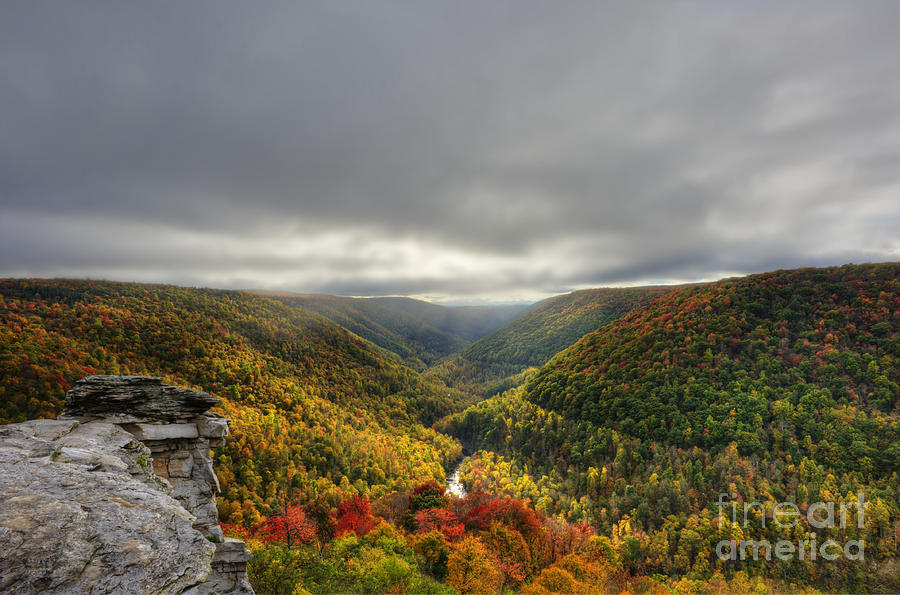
(315, 409)
(322, 474)
(469, 323)
(415, 341)
(727, 361)
(769, 388)
(535, 336)
(601, 473)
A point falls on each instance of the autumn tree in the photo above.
(433, 551)
(439, 519)
(511, 552)
(292, 528)
(354, 515)
(319, 513)
(471, 568)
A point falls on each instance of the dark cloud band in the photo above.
(455, 150)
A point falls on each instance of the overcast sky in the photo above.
(449, 150)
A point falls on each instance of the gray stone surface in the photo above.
(187, 466)
(124, 399)
(229, 570)
(145, 432)
(232, 550)
(118, 495)
(212, 425)
(82, 512)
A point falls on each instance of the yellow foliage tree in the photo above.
(470, 568)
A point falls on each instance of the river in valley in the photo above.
(454, 485)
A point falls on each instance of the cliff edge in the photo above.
(117, 495)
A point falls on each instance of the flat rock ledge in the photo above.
(117, 503)
(125, 399)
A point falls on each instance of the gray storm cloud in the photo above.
(457, 150)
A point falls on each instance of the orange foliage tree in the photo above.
(472, 569)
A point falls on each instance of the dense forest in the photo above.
(425, 541)
(315, 409)
(417, 343)
(498, 360)
(468, 323)
(780, 387)
(602, 470)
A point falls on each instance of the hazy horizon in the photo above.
(431, 299)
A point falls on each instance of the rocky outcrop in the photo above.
(82, 511)
(117, 502)
(229, 569)
(125, 399)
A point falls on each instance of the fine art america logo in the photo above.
(787, 515)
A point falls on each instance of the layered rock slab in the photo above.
(124, 399)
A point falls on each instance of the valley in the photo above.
(600, 427)
(455, 485)
(398, 297)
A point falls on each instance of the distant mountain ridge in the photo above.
(556, 323)
(469, 323)
(416, 342)
(419, 333)
(537, 334)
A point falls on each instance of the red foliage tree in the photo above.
(354, 515)
(469, 508)
(291, 528)
(507, 511)
(425, 496)
(477, 518)
(439, 519)
(429, 487)
(235, 530)
(513, 572)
